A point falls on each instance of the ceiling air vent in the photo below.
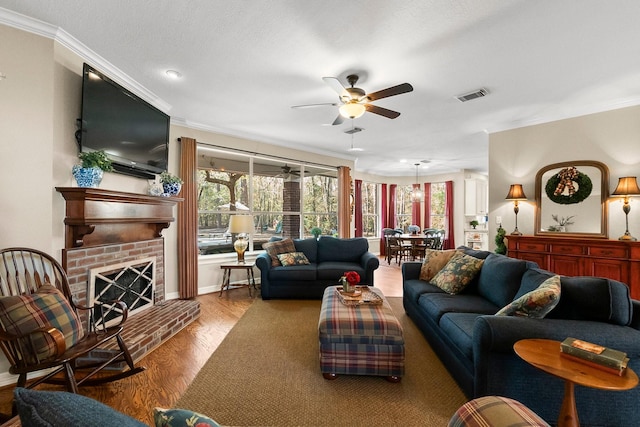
(353, 130)
(472, 95)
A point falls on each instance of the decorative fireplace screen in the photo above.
(131, 282)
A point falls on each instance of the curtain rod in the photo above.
(285, 159)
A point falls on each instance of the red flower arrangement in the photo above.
(352, 277)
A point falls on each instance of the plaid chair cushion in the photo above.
(45, 308)
(278, 247)
(495, 411)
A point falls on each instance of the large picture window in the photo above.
(438, 202)
(404, 207)
(274, 191)
(370, 215)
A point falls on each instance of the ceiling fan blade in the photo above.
(338, 120)
(326, 104)
(335, 85)
(391, 91)
(381, 111)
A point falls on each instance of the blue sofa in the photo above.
(477, 347)
(329, 258)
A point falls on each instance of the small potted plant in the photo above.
(316, 232)
(89, 172)
(473, 223)
(171, 184)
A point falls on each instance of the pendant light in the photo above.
(416, 194)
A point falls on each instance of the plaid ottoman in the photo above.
(359, 339)
(495, 411)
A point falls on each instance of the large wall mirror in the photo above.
(571, 199)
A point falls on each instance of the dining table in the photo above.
(415, 241)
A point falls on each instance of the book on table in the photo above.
(614, 361)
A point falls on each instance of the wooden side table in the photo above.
(226, 276)
(545, 355)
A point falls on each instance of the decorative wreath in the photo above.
(566, 180)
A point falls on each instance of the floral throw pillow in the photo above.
(293, 258)
(434, 261)
(181, 418)
(278, 247)
(458, 273)
(537, 303)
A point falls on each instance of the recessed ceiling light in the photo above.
(356, 149)
(173, 74)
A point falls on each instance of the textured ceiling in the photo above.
(245, 63)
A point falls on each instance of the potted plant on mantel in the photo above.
(171, 184)
(89, 173)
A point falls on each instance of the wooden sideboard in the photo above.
(571, 256)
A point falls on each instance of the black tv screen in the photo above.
(133, 133)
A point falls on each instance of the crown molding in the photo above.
(59, 35)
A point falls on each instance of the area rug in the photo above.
(266, 372)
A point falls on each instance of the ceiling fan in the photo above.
(355, 101)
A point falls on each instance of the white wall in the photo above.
(515, 156)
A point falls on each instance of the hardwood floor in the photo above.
(172, 366)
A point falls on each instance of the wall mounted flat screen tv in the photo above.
(133, 133)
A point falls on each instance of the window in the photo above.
(370, 215)
(438, 201)
(272, 190)
(320, 197)
(403, 206)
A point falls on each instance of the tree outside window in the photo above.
(370, 216)
(438, 201)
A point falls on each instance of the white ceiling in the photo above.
(245, 63)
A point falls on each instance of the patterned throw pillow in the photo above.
(293, 258)
(45, 308)
(458, 273)
(537, 303)
(433, 262)
(278, 247)
(181, 418)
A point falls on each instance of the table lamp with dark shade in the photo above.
(241, 225)
(627, 186)
(516, 194)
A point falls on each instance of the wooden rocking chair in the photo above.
(40, 327)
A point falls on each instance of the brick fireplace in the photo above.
(106, 228)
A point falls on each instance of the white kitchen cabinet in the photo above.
(475, 197)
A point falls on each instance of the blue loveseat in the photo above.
(477, 347)
(328, 257)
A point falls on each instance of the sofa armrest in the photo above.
(369, 262)
(263, 262)
(411, 270)
(635, 318)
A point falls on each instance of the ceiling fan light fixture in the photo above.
(352, 110)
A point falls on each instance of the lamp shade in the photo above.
(241, 224)
(352, 110)
(627, 186)
(516, 193)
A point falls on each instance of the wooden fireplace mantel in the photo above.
(94, 216)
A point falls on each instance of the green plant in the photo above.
(96, 159)
(316, 231)
(473, 223)
(501, 248)
(168, 178)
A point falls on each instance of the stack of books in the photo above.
(595, 355)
